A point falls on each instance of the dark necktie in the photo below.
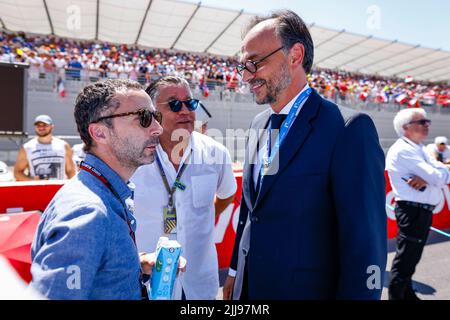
(276, 120)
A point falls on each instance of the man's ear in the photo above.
(297, 55)
(98, 132)
(405, 127)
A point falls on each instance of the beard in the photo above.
(274, 86)
(43, 134)
(131, 154)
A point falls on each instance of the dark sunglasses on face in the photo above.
(252, 66)
(41, 124)
(177, 105)
(422, 122)
(145, 116)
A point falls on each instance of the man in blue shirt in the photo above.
(85, 246)
(74, 69)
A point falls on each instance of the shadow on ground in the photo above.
(419, 287)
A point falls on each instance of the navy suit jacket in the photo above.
(318, 226)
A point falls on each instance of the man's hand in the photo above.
(221, 204)
(228, 288)
(148, 260)
(417, 183)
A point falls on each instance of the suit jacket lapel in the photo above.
(255, 135)
(292, 143)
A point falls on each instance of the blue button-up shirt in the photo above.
(83, 248)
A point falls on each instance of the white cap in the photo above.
(43, 118)
(440, 140)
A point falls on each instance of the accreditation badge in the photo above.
(170, 220)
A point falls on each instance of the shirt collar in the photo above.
(122, 188)
(287, 108)
(412, 143)
(165, 158)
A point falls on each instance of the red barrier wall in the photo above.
(28, 196)
(441, 217)
(36, 196)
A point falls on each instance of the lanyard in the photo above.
(287, 124)
(88, 168)
(177, 183)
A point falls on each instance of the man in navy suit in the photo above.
(312, 222)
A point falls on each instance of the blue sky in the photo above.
(414, 22)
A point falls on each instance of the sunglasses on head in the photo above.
(145, 116)
(422, 122)
(177, 105)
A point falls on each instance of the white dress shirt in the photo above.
(406, 159)
(209, 173)
(263, 143)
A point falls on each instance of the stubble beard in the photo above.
(130, 155)
(276, 86)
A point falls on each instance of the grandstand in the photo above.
(144, 40)
(70, 43)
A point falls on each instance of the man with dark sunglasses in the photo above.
(179, 196)
(416, 180)
(85, 244)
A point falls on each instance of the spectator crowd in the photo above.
(89, 61)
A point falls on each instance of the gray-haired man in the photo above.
(416, 181)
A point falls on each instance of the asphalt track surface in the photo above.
(432, 277)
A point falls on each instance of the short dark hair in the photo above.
(153, 89)
(93, 102)
(290, 29)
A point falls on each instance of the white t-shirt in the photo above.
(78, 153)
(113, 70)
(209, 173)
(60, 63)
(46, 159)
(35, 63)
(432, 149)
(6, 57)
(123, 71)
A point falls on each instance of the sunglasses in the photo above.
(252, 66)
(176, 105)
(145, 116)
(422, 122)
(41, 124)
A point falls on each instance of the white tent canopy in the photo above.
(197, 28)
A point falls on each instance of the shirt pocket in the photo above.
(204, 189)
